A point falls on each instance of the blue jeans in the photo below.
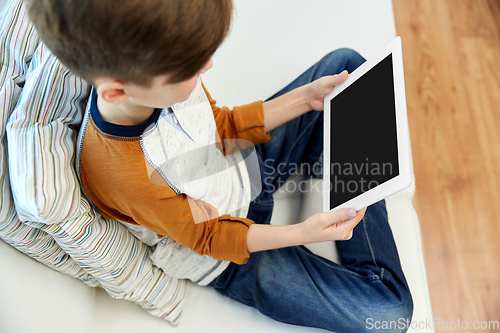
(295, 286)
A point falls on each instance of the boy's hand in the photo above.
(330, 226)
(317, 90)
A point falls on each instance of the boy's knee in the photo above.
(392, 317)
(340, 59)
(350, 56)
(348, 53)
(387, 315)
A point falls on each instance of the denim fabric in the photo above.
(292, 284)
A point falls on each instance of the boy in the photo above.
(150, 128)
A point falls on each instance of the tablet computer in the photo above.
(367, 153)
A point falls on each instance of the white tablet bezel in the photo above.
(404, 178)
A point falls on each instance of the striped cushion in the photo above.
(15, 58)
(41, 135)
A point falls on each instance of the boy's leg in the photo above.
(301, 141)
(296, 286)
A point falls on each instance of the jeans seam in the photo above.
(240, 299)
(264, 203)
(295, 143)
(342, 269)
(320, 158)
(372, 254)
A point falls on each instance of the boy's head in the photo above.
(132, 41)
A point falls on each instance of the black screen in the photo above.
(364, 152)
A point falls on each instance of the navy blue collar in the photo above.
(119, 130)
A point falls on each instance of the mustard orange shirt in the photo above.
(116, 178)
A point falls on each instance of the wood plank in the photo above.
(495, 13)
(451, 56)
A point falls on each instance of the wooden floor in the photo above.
(451, 51)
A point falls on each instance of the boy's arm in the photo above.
(320, 227)
(299, 101)
(225, 237)
(253, 122)
(159, 208)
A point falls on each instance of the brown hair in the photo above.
(132, 40)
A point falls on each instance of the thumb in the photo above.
(333, 80)
(350, 214)
(342, 76)
(342, 215)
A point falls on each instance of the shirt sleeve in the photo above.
(223, 238)
(245, 123)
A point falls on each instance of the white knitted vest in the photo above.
(194, 166)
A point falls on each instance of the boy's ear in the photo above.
(112, 91)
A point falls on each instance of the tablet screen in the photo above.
(363, 145)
